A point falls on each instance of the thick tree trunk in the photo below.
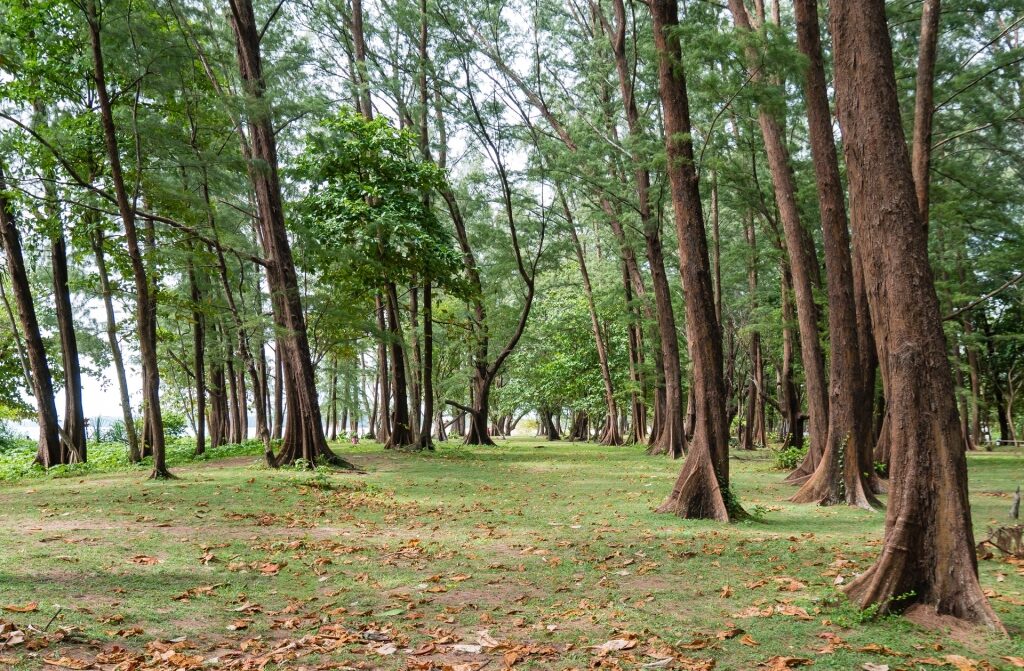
(928, 555)
(145, 314)
(702, 488)
(134, 453)
(305, 439)
(838, 477)
(803, 265)
(49, 452)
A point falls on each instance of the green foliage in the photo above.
(789, 458)
(367, 206)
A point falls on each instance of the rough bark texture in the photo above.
(702, 488)
(928, 555)
(838, 477)
(304, 438)
(49, 452)
(198, 356)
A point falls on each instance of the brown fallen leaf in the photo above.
(726, 592)
(780, 663)
(68, 663)
(24, 608)
(868, 666)
(748, 640)
(728, 633)
(239, 625)
(881, 650)
(695, 644)
(144, 560)
(963, 663)
(1015, 662)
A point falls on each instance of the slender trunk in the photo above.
(425, 441)
(278, 392)
(928, 554)
(305, 438)
(803, 264)
(924, 102)
(702, 488)
(134, 453)
(74, 414)
(198, 355)
(145, 314)
(49, 452)
(401, 431)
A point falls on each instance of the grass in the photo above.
(550, 547)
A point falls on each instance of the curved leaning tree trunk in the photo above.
(145, 305)
(610, 434)
(49, 452)
(304, 435)
(702, 488)
(803, 264)
(928, 555)
(838, 477)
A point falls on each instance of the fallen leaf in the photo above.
(962, 663)
(747, 639)
(868, 666)
(615, 644)
(1017, 662)
(726, 592)
(780, 663)
(68, 663)
(24, 608)
(144, 560)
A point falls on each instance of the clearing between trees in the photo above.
(529, 554)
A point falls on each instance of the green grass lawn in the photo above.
(527, 554)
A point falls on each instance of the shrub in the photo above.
(789, 458)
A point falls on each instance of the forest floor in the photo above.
(530, 554)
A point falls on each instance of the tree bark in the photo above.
(145, 314)
(669, 437)
(198, 355)
(134, 453)
(803, 264)
(838, 477)
(306, 438)
(928, 555)
(924, 102)
(702, 488)
(49, 452)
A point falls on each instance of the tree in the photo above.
(928, 554)
(702, 488)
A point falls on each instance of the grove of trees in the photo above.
(692, 226)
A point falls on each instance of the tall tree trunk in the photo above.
(803, 264)
(425, 441)
(198, 355)
(401, 430)
(145, 314)
(924, 101)
(928, 554)
(702, 488)
(838, 477)
(669, 437)
(49, 452)
(74, 413)
(306, 439)
(610, 432)
(134, 453)
(279, 410)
